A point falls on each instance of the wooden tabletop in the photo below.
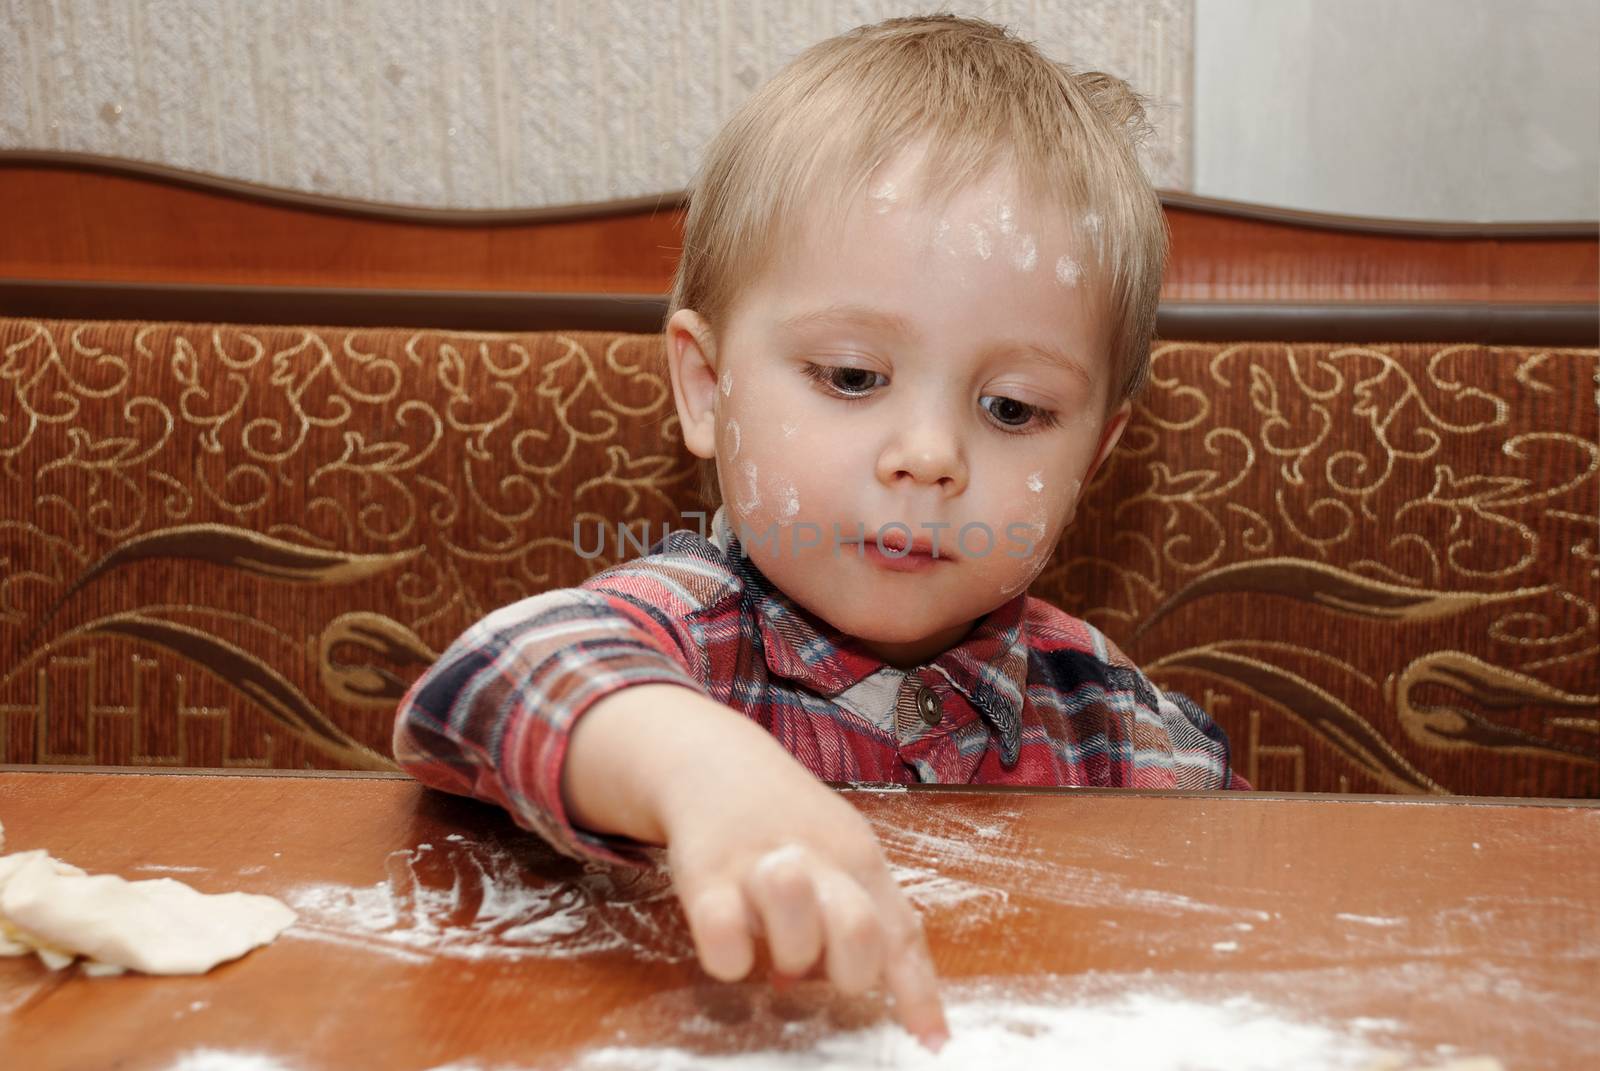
(1136, 930)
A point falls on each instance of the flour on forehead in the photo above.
(1025, 252)
(980, 240)
(884, 196)
(1005, 219)
(1068, 271)
(1091, 227)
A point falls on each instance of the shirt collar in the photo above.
(989, 667)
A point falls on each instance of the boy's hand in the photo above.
(760, 848)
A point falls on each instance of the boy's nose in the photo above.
(924, 455)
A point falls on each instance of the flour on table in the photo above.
(482, 900)
(161, 926)
(155, 868)
(1001, 1024)
(225, 1060)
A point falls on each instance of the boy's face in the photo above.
(914, 368)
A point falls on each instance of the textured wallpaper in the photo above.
(485, 104)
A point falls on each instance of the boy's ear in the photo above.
(1115, 424)
(691, 357)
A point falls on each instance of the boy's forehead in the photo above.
(993, 204)
(914, 175)
(991, 219)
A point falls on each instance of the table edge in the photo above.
(862, 786)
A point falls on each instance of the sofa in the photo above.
(224, 545)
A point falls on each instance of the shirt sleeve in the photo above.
(1174, 742)
(493, 717)
(1202, 755)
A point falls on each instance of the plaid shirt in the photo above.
(1032, 696)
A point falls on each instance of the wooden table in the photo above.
(1352, 933)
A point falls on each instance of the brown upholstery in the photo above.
(235, 546)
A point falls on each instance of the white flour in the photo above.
(223, 1060)
(997, 1026)
(473, 900)
(478, 900)
(983, 841)
(156, 868)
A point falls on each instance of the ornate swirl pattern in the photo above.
(1382, 559)
(1376, 565)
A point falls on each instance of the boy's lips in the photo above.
(896, 544)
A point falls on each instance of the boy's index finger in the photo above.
(910, 979)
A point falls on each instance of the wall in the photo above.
(479, 105)
(1428, 109)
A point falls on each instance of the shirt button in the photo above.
(928, 705)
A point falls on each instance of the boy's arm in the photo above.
(760, 849)
(493, 718)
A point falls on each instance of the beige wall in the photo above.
(1423, 109)
(478, 104)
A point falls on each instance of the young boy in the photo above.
(916, 299)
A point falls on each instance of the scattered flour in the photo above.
(931, 891)
(471, 900)
(1005, 1024)
(1372, 920)
(156, 868)
(979, 841)
(751, 477)
(1025, 253)
(224, 1060)
(980, 240)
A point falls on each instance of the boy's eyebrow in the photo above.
(850, 316)
(877, 319)
(1052, 356)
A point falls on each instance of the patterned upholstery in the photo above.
(235, 546)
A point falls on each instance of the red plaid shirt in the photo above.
(1032, 696)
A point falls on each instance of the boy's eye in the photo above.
(1014, 414)
(844, 379)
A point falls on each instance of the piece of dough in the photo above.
(13, 941)
(159, 927)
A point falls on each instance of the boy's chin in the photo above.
(878, 623)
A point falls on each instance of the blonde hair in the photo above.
(979, 99)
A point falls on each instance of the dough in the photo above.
(13, 941)
(158, 927)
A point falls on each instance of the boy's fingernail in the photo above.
(935, 1040)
